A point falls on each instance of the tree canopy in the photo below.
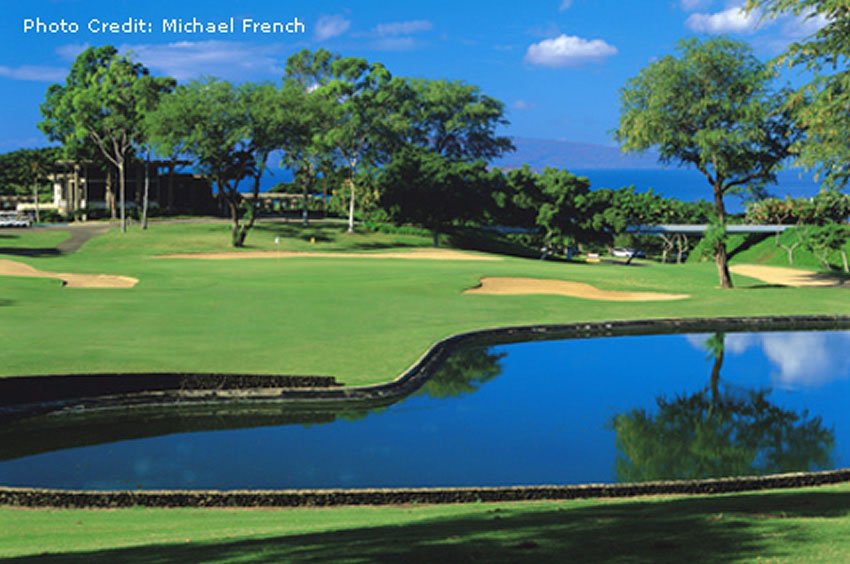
(19, 169)
(208, 121)
(711, 107)
(103, 102)
(821, 107)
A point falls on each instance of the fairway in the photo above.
(362, 321)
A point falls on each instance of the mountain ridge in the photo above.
(542, 153)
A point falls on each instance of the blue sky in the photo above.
(557, 65)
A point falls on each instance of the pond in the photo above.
(616, 409)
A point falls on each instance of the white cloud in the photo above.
(568, 50)
(808, 359)
(800, 27)
(731, 20)
(402, 28)
(229, 60)
(802, 359)
(330, 26)
(565, 5)
(522, 105)
(70, 51)
(35, 73)
(691, 5)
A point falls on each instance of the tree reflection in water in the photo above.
(717, 432)
(464, 372)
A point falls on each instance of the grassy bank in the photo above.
(361, 320)
(789, 525)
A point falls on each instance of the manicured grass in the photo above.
(780, 526)
(17, 239)
(364, 321)
(361, 320)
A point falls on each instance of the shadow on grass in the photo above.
(323, 233)
(30, 251)
(679, 530)
(375, 245)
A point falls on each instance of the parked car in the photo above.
(626, 252)
(14, 219)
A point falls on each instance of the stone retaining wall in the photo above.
(25, 497)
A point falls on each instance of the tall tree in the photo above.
(821, 107)
(103, 101)
(425, 188)
(25, 171)
(273, 117)
(438, 173)
(364, 120)
(455, 120)
(711, 107)
(306, 72)
(208, 121)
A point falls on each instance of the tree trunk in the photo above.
(122, 194)
(790, 251)
(146, 193)
(243, 231)
(435, 233)
(110, 192)
(351, 206)
(722, 262)
(715, 380)
(305, 211)
(35, 195)
(720, 256)
(324, 196)
(171, 166)
(237, 238)
(844, 261)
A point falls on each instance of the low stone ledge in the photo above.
(30, 497)
(25, 396)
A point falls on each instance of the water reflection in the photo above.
(464, 372)
(542, 412)
(720, 430)
(801, 360)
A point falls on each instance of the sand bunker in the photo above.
(14, 268)
(526, 286)
(786, 276)
(418, 254)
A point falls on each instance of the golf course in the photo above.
(286, 309)
(358, 282)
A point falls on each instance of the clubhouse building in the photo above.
(82, 189)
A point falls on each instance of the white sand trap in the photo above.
(786, 276)
(14, 268)
(527, 286)
(416, 254)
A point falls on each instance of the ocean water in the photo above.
(690, 185)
